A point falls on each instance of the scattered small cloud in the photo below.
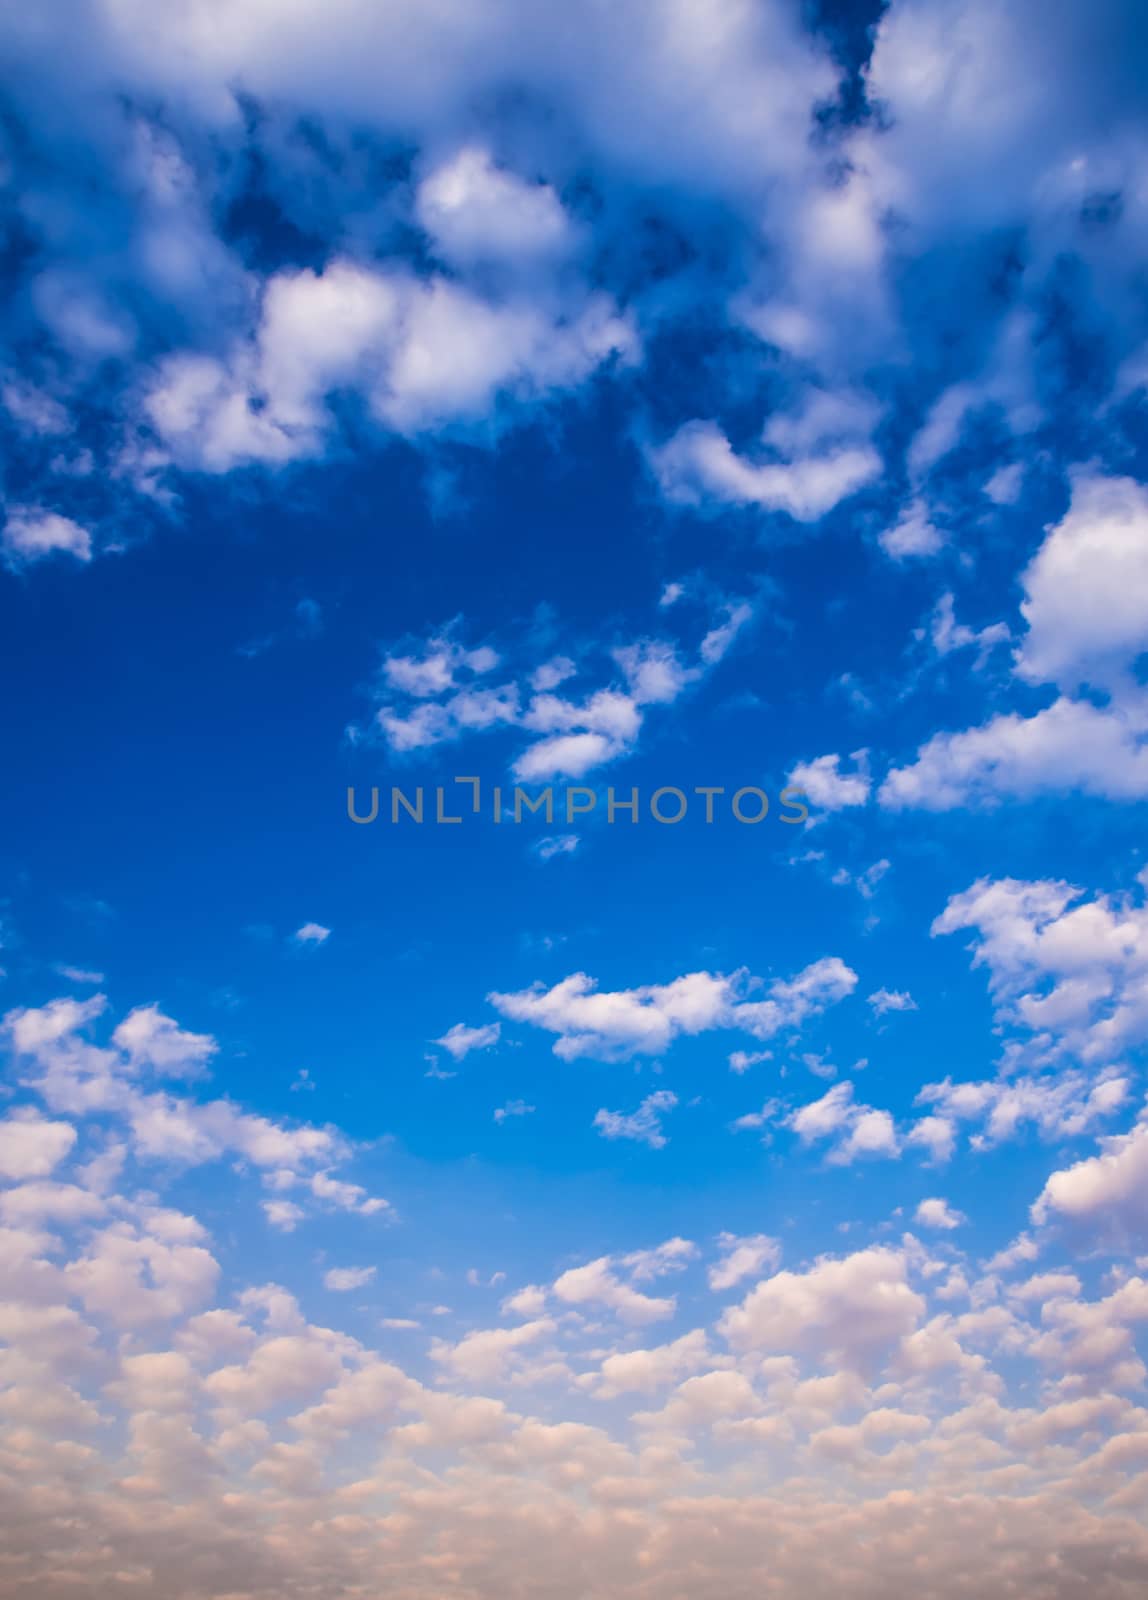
(939, 1214)
(460, 1040)
(513, 1108)
(885, 1000)
(343, 1279)
(644, 1125)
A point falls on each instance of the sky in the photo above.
(573, 887)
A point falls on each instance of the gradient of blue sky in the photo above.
(676, 394)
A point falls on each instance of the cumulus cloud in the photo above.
(476, 211)
(343, 1279)
(31, 533)
(828, 787)
(1069, 970)
(1105, 1195)
(646, 1020)
(437, 690)
(742, 1258)
(699, 466)
(424, 353)
(1085, 627)
(486, 1355)
(855, 1129)
(32, 1146)
(150, 1039)
(883, 1001)
(599, 1284)
(849, 1310)
(936, 1213)
(460, 1040)
(1084, 603)
(74, 1077)
(913, 534)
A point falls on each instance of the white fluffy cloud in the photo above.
(828, 787)
(1105, 1195)
(698, 465)
(487, 1355)
(646, 1020)
(423, 354)
(1072, 745)
(937, 1213)
(1071, 971)
(31, 1146)
(77, 1078)
(344, 1279)
(742, 1258)
(150, 1039)
(848, 1311)
(460, 1040)
(476, 211)
(31, 533)
(1086, 625)
(437, 690)
(856, 1130)
(599, 1284)
(643, 1126)
(1086, 590)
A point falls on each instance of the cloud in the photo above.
(828, 787)
(947, 635)
(488, 1354)
(283, 1214)
(1104, 1195)
(847, 1310)
(76, 1078)
(460, 1040)
(1072, 745)
(1060, 1105)
(31, 1146)
(646, 1020)
(150, 1039)
(937, 1135)
(913, 534)
(939, 1214)
(33, 1203)
(438, 691)
(562, 844)
(1086, 625)
(698, 465)
(742, 1258)
(646, 1371)
(311, 933)
(344, 1279)
(858, 1130)
(475, 211)
(80, 974)
(644, 1125)
(1084, 605)
(513, 1108)
(1067, 969)
(134, 1278)
(883, 1001)
(424, 354)
(597, 1284)
(615, 1026)
(30, 534)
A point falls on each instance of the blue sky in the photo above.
(683, 398)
